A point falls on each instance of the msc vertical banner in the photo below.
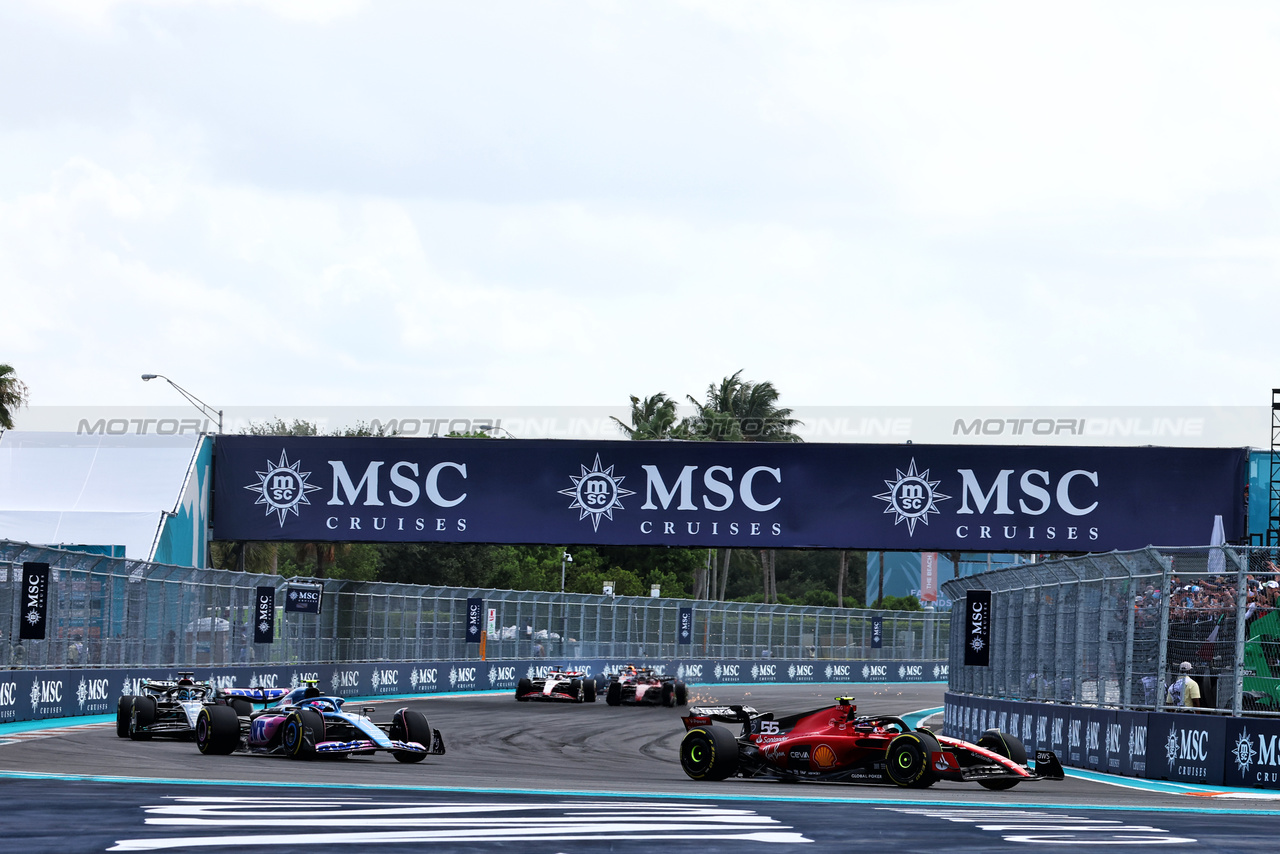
(475, 612)
(264, 623)
(686, 627)
(35, 601)
(877, 632)
(977, 639)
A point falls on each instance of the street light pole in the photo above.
(205, 409)
(565, 558)
(485, 428)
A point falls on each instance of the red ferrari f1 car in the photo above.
(835, 744)
(642, 686)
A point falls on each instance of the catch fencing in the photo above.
(1112, 630)
(109, 612)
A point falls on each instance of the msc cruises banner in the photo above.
(764, 495)
(40, 694)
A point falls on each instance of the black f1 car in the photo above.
(835, 744)
(169, 708)
(573, 686)
(642, 686)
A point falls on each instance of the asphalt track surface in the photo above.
(550, 777)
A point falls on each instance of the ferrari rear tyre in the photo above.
(709, 753)
(142, 714)
(523, 687)
(410, 725)
(124, 710)
(907, 760)
(302, 730)
(589, 690)
(682, 694)
(613, 696)
(1007, 746)
(217, 730)
(668, 694)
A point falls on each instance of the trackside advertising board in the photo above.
(37, 694)
(750, 494)
(1179, 746)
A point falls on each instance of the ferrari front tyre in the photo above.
(410, 725)
(124, 710)
(589, 690)
(613, 695)
(668, 694)
(1007, 746)
(302, 730)
(709, 753)
(907, 760)
(217, 730)
(142, 715)
(682, 694)
(523, 687)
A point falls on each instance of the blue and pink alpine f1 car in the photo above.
(303, 724)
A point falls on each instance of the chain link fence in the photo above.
(108, 612)
(1113, 630)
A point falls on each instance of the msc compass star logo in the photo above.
(1244, 753)
(596, 493)
(33, 616)
(282, 487)
(977, 644)
(1171, 747)
(912, 497)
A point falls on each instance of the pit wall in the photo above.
(27, 695)
(1212, 750)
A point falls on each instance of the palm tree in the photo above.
(740, 411)
(13, 396)
(653, 418)
(737, 410)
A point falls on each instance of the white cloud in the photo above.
(98, 14)
(518, 204)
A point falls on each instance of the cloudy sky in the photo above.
(564, 203)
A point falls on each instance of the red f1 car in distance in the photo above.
(835, 744)
(572, 686)
(642, 686)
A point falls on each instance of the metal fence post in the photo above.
(1237, 681)
(1162, 667)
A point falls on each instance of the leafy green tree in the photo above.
(653, 418)
(279, 427)
(13, 395)
(736, 410)
(899, 603)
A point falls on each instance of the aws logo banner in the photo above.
(753, 494)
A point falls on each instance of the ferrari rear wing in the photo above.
(702, 715)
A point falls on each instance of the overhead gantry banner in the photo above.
(741, 495)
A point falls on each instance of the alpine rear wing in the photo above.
(256, 695)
